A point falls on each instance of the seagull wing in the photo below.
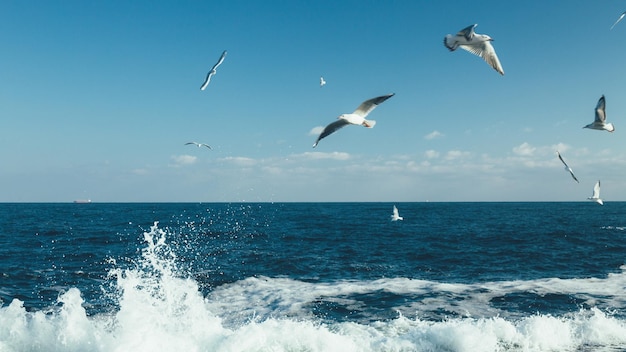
(619, 19)
(367, 106)
(569, 169)
(205, 145)
(213, 71)
(563, 161)
(572, 173)
(600, 113)
(395, 212)
(219, 62)
(596, 190)
(191, 143)
(486, 51)
(467, 32)
(331, 128)
(207, 80)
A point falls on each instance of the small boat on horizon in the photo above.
(82, 201)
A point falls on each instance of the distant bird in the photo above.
(199, 144)
(213, 71)
(477, 44)
(619, 19)
(322, 82)
(396, 216)
(600, 121)
(567, 168)
(596, 194)
(355, 118)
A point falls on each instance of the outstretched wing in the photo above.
(569, 169)
(331, 128)
(219, 62)
(367, 106)
(563, 161)
(213, 71)
(572, 173)
(486, 51)
(619, 19)
(600, 113)
(207, 80)
(467, 32)
(596, 190)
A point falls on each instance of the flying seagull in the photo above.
(199, 144)
(322, 82)
(213, 71)
(619, 19)
(355, 118)
(477, 44)
(567, 168)
(596, 194)
(599, 122)
(396, 216)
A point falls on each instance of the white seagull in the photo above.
(322, 82)
(396, 216)
(596, 194)
(600, 121)
(213, 71)
(199, 144)
(619, 19)
(567, 168)
(355, 118)
(477, 44)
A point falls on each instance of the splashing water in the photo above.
(160, 310)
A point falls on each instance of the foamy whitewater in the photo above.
(164, 299)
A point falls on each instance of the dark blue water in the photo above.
(527, 276)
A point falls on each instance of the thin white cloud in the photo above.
(182, 160)
(139, 171)
(456, 154)
(431, 154)
(524, 149)
(323, 155)
(561, 147)
(315, 131)
(240, 160)
(434, 134)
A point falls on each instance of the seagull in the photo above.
(567, 168)
(596, 194)
(477, 44)
(619, 19)
(355, 118)
(199, 144)
(322, 82)
(395, 216)
(213, 71)
(599, 122)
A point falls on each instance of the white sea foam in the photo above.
(161, 311)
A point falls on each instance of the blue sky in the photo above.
(98, 98)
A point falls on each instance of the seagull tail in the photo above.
(449, 43)
(369, 123)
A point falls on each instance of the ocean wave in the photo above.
(158, 308)
(183, 322)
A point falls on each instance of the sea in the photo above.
(504, 276)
